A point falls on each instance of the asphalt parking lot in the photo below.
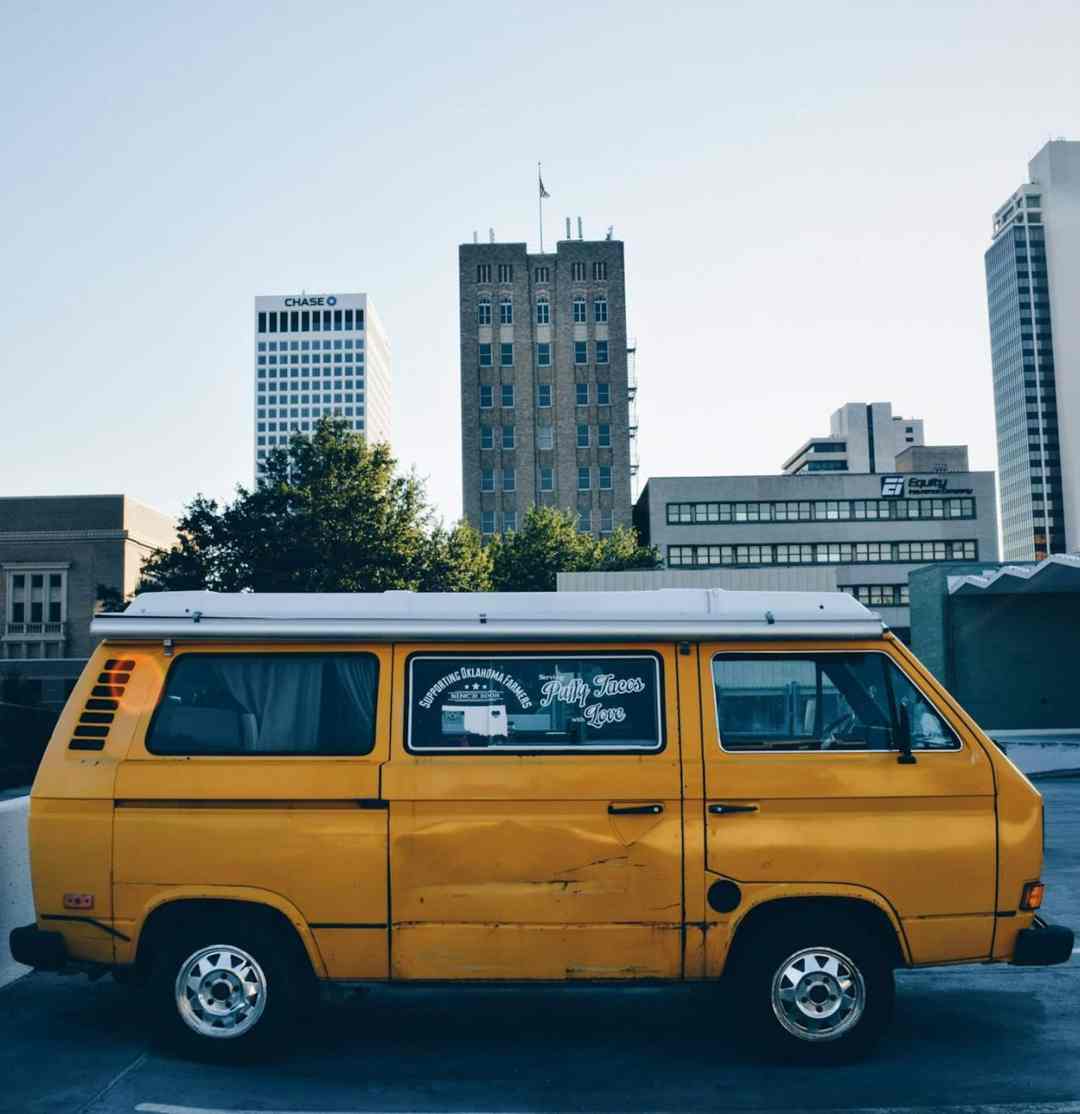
(1000, 1040)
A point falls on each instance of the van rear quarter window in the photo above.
(261, 704)
(540, 702)
(821, 702)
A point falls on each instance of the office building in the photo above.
(859, 533)
(58, 556)
(318, 355)
(546, 387)
(1033, 290)
(863, 437)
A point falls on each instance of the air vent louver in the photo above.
(93, 727)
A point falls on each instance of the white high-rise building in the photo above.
(1033, 291)
(318, 355)
(863, 437)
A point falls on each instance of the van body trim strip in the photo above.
(86, 920)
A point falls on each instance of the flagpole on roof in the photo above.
(540, 204)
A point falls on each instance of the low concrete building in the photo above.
(1004, 639)
(57, 555)
(859, 533)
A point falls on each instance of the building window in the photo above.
(487, 479)
(603, 394)
(509, 521)
(507, 436)
(486, 396)
(543, 354)
(547, 479)
(545, 437)
(506, 312)
(483, 311)
(607, 521)
(507, 395)
(599, 271)
(605, 477)
(506, 272)
(582, 436)
(600, 310)
(36, 601)
(581, 352)
(485, 354)
(509, 481)
(483, 272)
(579, 310)
(506, 355)
(487, 437)
(581, 394)
(601, 351)
(542, 274)
(584, 479)
(487, 522)
(603, 436)
(543, 394)
(577, 272)
(262, 322)
(543, 311)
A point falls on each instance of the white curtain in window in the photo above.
(284, 697)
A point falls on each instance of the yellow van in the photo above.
(250, 795)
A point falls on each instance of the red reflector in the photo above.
(78, 901)
(1032, 897)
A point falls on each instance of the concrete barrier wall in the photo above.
(16, 902)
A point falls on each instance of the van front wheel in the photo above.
(226, 986)
(817, 990)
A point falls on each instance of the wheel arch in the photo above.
(170, 909)
(868, 910)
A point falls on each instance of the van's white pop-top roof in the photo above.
(668, 613)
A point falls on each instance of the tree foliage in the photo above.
(334, 515)
(549, 542)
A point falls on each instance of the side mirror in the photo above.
(905, 757)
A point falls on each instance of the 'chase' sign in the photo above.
(896, 487)
(328, 300)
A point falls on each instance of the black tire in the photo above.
(263, 999)
(854, 991)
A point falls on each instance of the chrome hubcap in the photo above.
(220, 991)
(818, 994)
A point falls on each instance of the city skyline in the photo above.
(788, 247)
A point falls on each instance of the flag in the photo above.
(543, 192)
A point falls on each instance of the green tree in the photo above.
(331, 515)
(549, 542)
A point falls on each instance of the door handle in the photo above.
(725, 810)
(634, 810)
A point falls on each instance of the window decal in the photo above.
(535, 703)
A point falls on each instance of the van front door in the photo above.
(804, 790)
(535, 814)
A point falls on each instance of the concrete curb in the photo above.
(16, 900)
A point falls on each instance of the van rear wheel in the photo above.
(816, 989)
(227, 986)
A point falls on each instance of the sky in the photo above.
(804, 191)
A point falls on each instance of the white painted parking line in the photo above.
(981, 1108)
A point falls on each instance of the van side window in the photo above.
(280, 704)
(541, 702)
(818, 702)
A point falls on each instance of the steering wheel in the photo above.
(836, 730)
